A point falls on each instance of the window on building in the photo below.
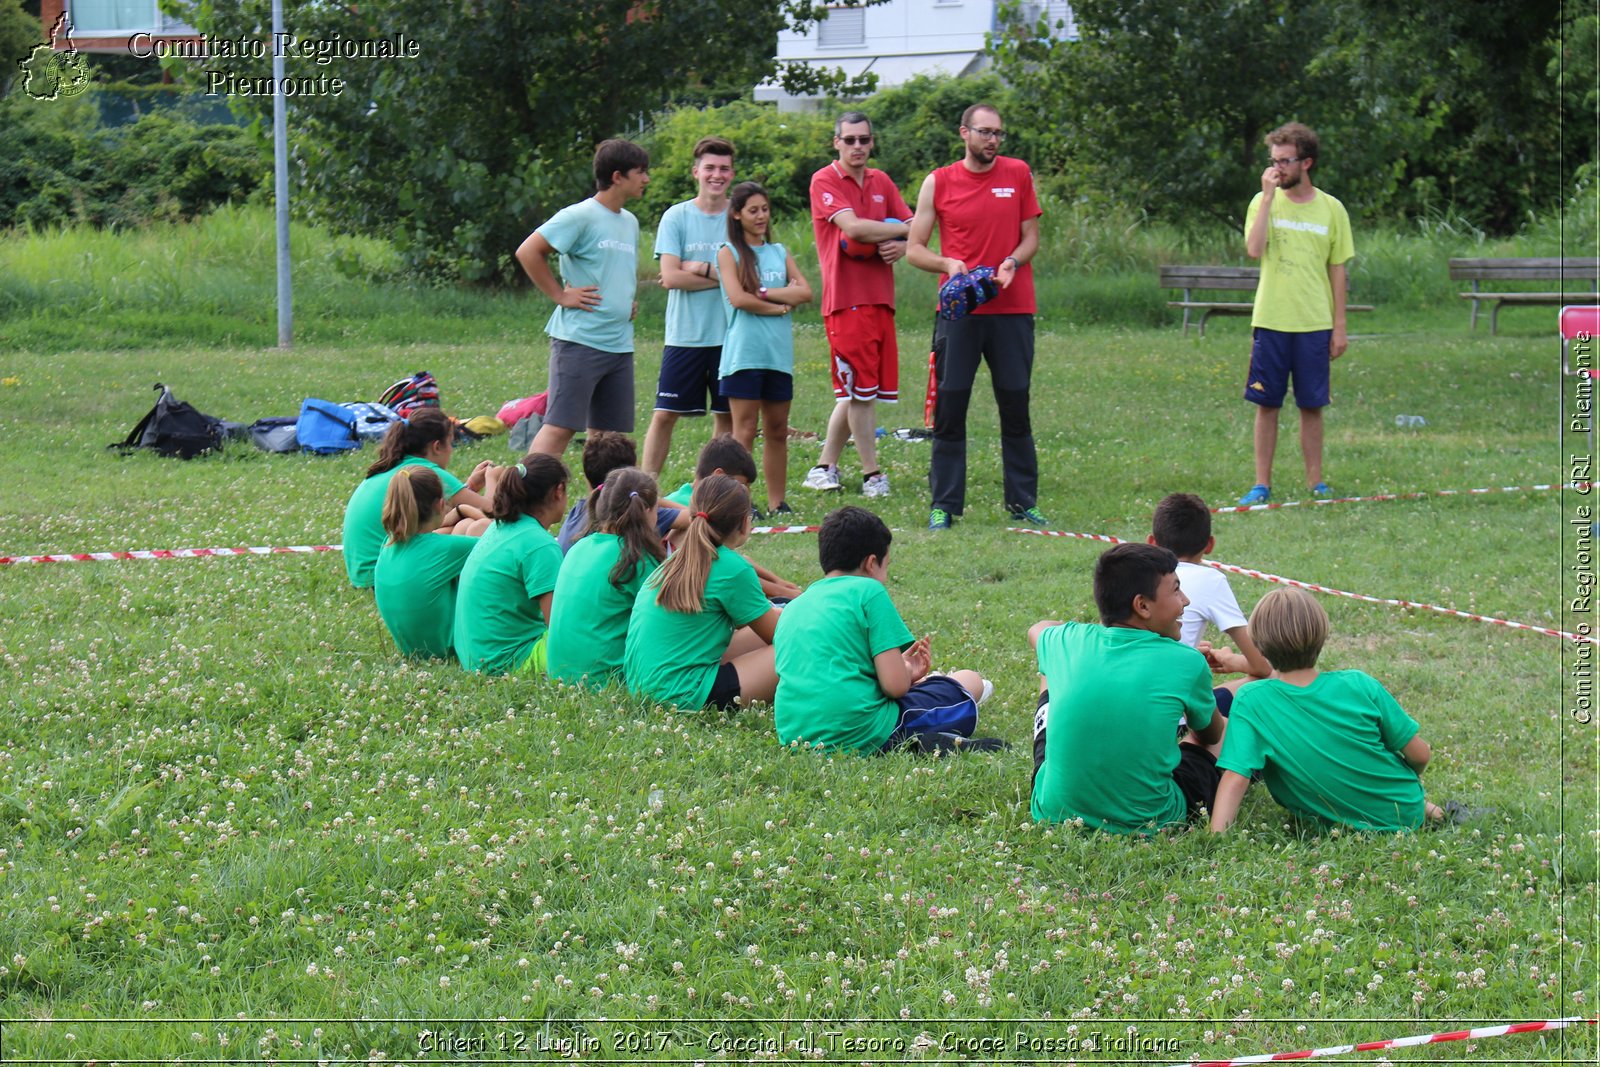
(102, 17)
(844, 27)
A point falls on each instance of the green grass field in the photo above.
(234, 826)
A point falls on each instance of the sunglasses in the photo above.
(854, 140)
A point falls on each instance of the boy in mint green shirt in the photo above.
(850, 675)
(1332, 746)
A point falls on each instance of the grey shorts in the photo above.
(590, 389)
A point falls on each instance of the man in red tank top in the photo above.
(988, 215)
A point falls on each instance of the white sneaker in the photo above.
(823, 478)
(875, 486)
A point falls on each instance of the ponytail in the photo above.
(411, 437)
(721, 508)
(414, 496)
(626, 506)
(527, 485)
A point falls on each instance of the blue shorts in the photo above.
(770, 385)
(688, 378)
(1276, 356)
(936, 705)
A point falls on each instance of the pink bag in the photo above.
(517, 410)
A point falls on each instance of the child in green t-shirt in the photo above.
(724, 455)
(600, 579)
(1332, 746)
(701, 631)
(417, 571)
(503, 605)
(850, 676)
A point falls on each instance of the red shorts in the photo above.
(865, 356)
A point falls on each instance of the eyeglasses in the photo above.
(984, 133)
(854, 140)
(1286, 162)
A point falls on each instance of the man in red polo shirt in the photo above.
(857, 249)
(988, 216)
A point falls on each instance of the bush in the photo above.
(779, 150)
(58, 166)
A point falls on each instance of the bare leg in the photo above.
(758, 678)
(552, 440)
(971, 681)
(1192, 738)
(1266, 442)
(775, 450)
(657, 439)
(746, 417)
(838, 433)
(1311, 443)
(1432, 812)
(721, 423)
(743, 642)
(864, 425)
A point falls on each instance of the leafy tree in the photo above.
(457, 153)
(19, 31)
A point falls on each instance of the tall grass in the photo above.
(212, 281)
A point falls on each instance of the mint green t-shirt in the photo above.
(828, 692)
(364, 534)
(673, 656)
(694, 319)
(1329, 751)
(598, 246)
(1303, 240)
(1117, 695)
(497, 606)
(759, 342)
(415, 583)
(589, 616)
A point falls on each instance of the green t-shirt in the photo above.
(363, 518)
(694, 319)
(1117, 695)
(673, 656)
(1329, 750)
(599, 247)
(589, 616)
(684, 494)
(1303, 241)
(828, 690)
(759, 342)
(415, 583)
(497, 607)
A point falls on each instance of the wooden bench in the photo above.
(1242, 279)
(1524, 269)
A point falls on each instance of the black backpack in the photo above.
(174, 428)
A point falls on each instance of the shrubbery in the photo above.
(59, 166)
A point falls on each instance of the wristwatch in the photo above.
(762, 292)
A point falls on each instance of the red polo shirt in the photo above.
(847, 282)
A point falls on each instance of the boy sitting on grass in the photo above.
(603, 452)
(1182, 526)
(1332, 746)
(1111, 699)
(723, 454)
(850, 676)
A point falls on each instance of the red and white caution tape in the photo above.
(168, 553)
(784, 529)
(1315, 588)
(1399, 496)
(1398, 1042)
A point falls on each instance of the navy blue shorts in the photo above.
(1276, 356)
(771, 385)
(688, 380)
(936, 705)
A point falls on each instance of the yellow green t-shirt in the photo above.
(498, 620)
(415, 583)
(1329, 751)
(1303, 241)
(673, 656)
(588, 615)
(827, 638)
(363, 518)
(1117, 695)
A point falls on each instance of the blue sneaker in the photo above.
(939, 519)
(1031, 517)
(1321, 491)
(1258, 494)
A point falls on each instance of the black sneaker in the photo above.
(941, 743)
(783, 508)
